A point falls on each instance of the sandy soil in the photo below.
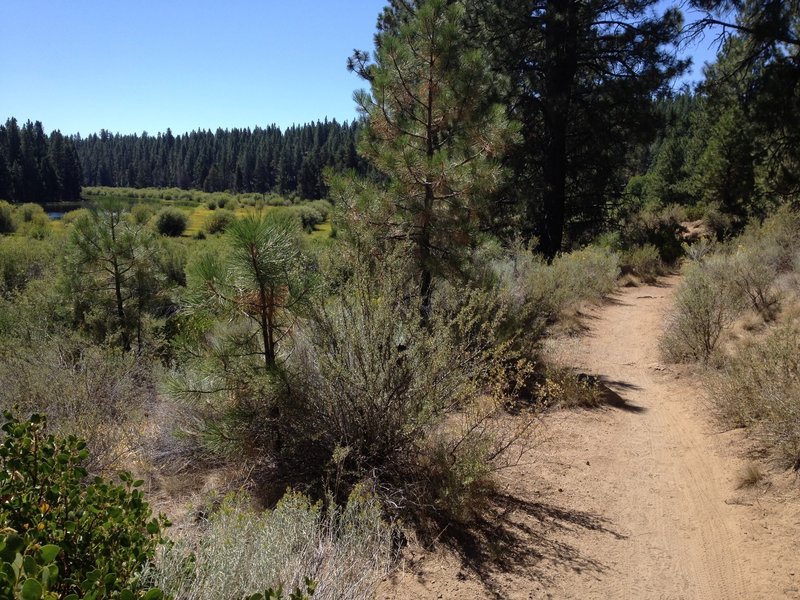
(636, 500)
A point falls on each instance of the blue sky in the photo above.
(83, 65)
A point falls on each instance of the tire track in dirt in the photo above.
(686, 542)
(637, 500)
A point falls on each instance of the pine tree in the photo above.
(431, 133)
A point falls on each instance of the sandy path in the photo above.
(634, 501)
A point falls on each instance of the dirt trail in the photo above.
(638, 500)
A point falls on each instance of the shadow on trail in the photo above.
(611, 397)
(514, 535)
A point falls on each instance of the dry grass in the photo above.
(239, 551)
(759, 388)
(750, 476)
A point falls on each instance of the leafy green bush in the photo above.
(241, 552)
(32, 221)
(104, 532)
(218, 221)
(759, 387)
(74, 215)
(171, 222)
(27, 571)
(28, 212)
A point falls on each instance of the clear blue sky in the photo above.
(125, 66)
(131, 66)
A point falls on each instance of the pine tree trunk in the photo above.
(561, 48)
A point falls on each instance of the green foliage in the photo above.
(582, 87)
(141, 214)
(260, 278)
(35, 167)
(642, 261)
(433, 131)
(656, 226)
(218, 221)
(27, 571)
(22, 261)
(376, 393)
(171, 222)
(700, 314)
(111, 273)
(7, 222)
(265, 165)
(243, 552)
(245, 293)
(74, 215)
(101, 533)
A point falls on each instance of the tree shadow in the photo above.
(611, 397)
(514, 535)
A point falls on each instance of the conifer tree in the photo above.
(431, 132)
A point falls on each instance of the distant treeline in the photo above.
(238, 160)
(35, 167)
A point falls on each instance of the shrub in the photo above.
(218, 221)
(660, 227)
(752, 272)
(74, 215)
(376, 393)
(28, 212)
(22, 261)
(642, 261)
(172, 262)
(7, 222)
(104, 532)
(345, 551)
(586, 274)
(141, 214)
(701, 311)
(101, 393)
(759, 387)
(171, 222)
(699, 250)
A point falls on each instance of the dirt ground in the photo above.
(639, 499)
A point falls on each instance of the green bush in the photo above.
(658, 226)
(74, 215)
(241, 552)
(218, 221)
(22, 261)
(171, 222)
(587, 274)
(8, 223)
(642, 261)
(28, 212)
(371, 389)
(104, 532)
(32, 221)
(141, 214)
(701, 312)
